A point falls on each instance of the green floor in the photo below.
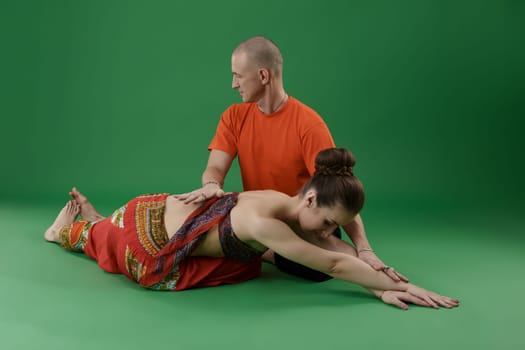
(122, 97)
(53, 299)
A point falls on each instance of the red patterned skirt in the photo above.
(134, 242)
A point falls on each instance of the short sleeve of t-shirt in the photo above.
(314, 140)
(225, 139)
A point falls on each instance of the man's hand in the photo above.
(368, 256)
(202, 194)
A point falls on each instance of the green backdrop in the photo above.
(122, 97)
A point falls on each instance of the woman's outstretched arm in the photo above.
(277, 236)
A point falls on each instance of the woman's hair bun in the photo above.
(334, 162)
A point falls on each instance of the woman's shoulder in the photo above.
(264, 198)
(256, 211)
(258, 205)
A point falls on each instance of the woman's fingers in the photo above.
(399, 304)
(445, 301)
(418, 296)
(422, 294)
(392, 298)
(414, 300)
(435, 300)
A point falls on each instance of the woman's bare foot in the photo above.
(87, 210)
(66, 216)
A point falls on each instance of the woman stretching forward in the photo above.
(161, 243)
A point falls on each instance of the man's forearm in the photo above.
(356, 231)
(212, 175)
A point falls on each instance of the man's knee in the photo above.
(299, 270)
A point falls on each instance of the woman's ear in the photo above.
(311, 199)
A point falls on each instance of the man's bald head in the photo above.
(262, 52)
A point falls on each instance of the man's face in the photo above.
(246, 78)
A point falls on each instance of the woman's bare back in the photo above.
(249, 206)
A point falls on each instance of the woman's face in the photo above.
(323, 220)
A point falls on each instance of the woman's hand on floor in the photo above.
(417, 296)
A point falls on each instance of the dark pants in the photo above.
(298, 270)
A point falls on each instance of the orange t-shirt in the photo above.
(276, 151)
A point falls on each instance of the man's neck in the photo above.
(272, 103)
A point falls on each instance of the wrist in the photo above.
(207, 183)
(362, 250)
(377, 292)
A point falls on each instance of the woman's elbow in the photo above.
(336, 266)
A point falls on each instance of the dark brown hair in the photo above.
(334, 180)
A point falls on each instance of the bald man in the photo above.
(276, 139)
